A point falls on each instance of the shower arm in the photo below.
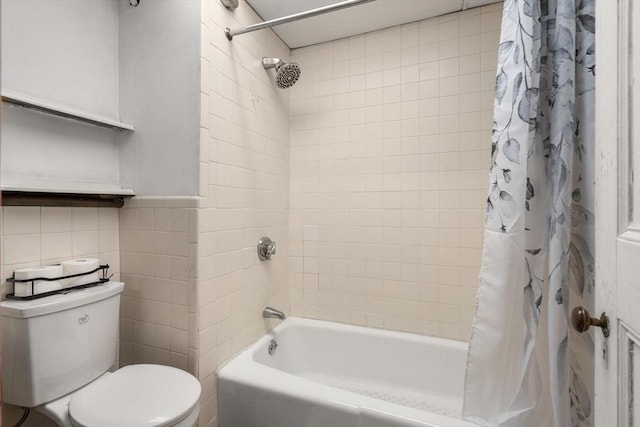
(271, 63)
(295, 17)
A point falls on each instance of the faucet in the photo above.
(269, 312)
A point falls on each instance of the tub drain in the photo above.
(272, 347)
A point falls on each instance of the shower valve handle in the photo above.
(266, 248)
(582, 321)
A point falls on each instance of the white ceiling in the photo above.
(359, 19)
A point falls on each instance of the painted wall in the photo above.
(33, 236)
(137, 65)
(159, 46)
(65, 53)
(245, 178)
(390, 147)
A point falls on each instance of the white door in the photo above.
(617, 394)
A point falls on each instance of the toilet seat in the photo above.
(136, 396)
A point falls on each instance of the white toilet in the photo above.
(56, 354)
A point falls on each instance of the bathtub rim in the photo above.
(328, 324)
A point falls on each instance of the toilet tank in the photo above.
(54, 345)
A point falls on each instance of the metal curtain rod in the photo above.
(296, 16)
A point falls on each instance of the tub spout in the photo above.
(269, 312)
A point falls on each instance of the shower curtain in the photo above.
(526, 366)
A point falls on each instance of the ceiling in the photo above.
(359, 19)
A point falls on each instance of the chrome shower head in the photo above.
(286, 73)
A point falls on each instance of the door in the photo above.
(617, 358)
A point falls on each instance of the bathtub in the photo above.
(324, 374)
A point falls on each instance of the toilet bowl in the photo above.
(133, 396)
(57, 353)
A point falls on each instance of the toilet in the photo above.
(57, 353)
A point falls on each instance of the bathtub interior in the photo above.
(417, 372)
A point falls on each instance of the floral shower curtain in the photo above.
(526, 365)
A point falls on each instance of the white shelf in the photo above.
(63, 111)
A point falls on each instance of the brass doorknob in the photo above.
(582, 321)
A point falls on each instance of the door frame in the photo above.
(613, 119)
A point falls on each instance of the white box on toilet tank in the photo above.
(54, 345)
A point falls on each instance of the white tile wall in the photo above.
(158, 311)
(390, 145)
(244, 169)
(33, 236)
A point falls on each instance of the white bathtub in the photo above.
(325, 374)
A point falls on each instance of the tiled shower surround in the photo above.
(244, 180)
(390, 147)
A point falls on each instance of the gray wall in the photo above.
(63, 53)
(136, 65)
(160, 93)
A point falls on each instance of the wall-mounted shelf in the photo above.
(63, 111)
(16, 196)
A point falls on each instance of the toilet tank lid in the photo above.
(59, 302)
(136, 396)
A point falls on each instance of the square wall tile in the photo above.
(392, 205)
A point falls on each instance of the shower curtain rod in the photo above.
(296, 16)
